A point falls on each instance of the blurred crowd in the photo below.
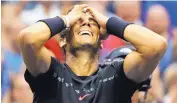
(17, 15)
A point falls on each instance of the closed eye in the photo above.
(93, 22)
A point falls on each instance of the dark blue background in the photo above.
(171, 7)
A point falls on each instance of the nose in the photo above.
(85, 22)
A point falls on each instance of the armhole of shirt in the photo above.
(135, 85)
(43, 77)
(126, 84)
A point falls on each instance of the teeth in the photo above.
(82, 32)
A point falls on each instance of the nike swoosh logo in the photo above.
(82, 97)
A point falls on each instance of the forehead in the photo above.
(87, 16)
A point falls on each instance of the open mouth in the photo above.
(86, 33)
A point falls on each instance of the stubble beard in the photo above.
(92, 49)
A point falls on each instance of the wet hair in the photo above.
(63, 33)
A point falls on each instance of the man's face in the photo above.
(84, 32)
(157, 21)
(129, 10)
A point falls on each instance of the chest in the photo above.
(97, 89)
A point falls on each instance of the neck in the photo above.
(84, 63)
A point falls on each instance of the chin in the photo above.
(86, 41)
(91, 45)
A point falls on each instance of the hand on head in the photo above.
(101, 19)
(79, 11)
(75, 14)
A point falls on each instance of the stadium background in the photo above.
(17, 15)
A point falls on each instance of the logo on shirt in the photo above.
(82, 97)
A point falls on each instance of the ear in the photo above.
(104, 35)
(101, 45)
(62, 41)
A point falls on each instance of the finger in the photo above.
(89, 14)
(84, 10)
(79, 16)
(89, 9)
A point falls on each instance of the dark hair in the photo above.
(70, 10)
(63, 33)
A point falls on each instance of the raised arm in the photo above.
(150, 47)
(32, 39)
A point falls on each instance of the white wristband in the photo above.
(67, 21)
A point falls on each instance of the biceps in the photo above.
(36, 61)
(138, 68)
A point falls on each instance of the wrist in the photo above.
(66, 21)
(56, 25)
(116, 26)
